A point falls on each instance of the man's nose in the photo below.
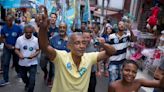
(82, 45)
(130, 73)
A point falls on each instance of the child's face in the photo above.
(109, 30)
(129, 72)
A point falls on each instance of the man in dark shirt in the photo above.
(60, 41)
(9, 34)
(53, 30)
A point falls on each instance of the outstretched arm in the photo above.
(152, 83)
(43, 37)
(108, 50)
(111, 88)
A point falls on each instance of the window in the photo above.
(116, 4)
(113, 4)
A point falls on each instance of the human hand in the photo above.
(106, 73)
(98, 74)
(21, 56)
(43, 21)
(101, 40)
(9, 46)
(129, 26)
(30, 57)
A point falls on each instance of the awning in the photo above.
(16, 3)
(92, 3)
(106, 12)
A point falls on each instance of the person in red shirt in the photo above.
(153, 19)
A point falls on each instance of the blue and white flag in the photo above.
(10, 3)
(20, 3)
(87, 13)
(78, 19)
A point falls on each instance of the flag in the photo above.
(39, 2)
(17, 3)
(70, 15)
(48, 6)
(54, 9)
(63, 8)
(87, 13)
(78, 19)
(10, 3)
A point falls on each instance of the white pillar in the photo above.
(131, 7)
(135, 7)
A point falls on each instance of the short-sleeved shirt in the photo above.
(58, 43)
(11, 34)
(120, 45)
(27, 47)
(67, 77)
(53, 31)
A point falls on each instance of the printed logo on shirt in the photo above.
(116, 40)
(55, 33)
(59, 42)
(69, 67)
(14, 34)
(82, 71)
(31, 49)
(125, 39)
(25, 47)
(6, 34)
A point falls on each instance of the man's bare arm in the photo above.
(20, 55)
(108, 51)
(43, 37)
(152, 83)
(111, 88)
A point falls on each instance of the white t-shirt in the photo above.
(27, 47)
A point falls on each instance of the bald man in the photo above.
(72, 69)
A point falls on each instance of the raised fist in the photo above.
(43, 21)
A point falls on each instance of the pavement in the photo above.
(16, 85)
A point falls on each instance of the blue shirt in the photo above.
(11, 34)
(58, 43)
(106, 37)
(53, 31)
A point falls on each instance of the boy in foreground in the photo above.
(128, 83)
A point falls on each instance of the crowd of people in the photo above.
(74, 59)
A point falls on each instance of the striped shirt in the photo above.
(120, 44)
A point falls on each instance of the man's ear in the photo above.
(68, 46)
(121, 71)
